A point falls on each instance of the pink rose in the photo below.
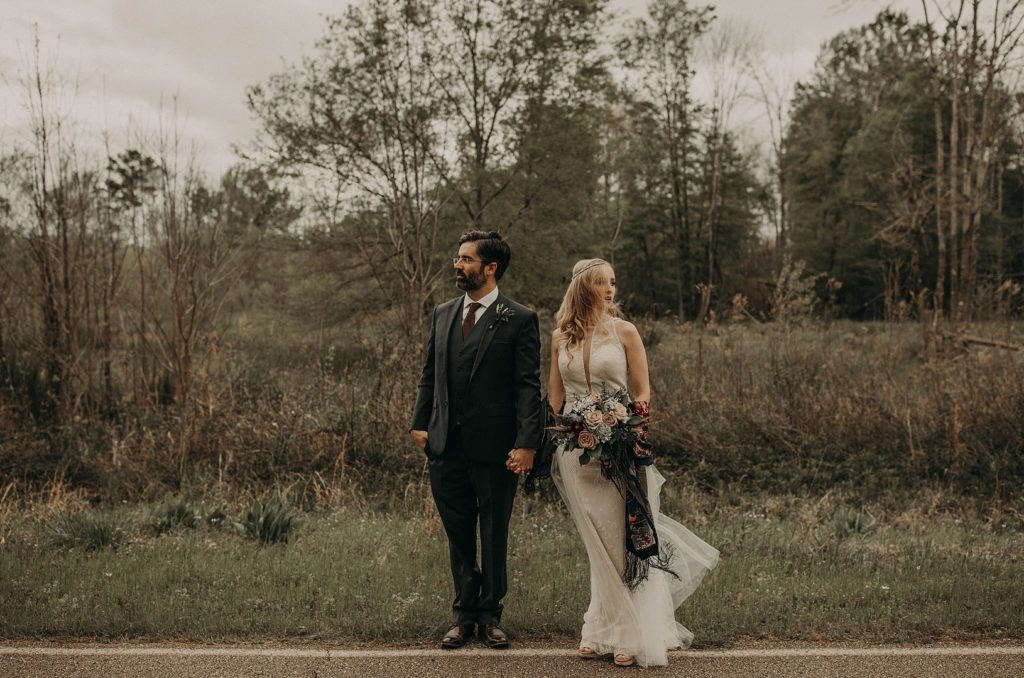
(593, 418)
(620, 412)
(609, 419)
(587, 440)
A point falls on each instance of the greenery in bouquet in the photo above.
(607, 427)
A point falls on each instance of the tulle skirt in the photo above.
(640, 622)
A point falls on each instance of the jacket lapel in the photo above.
(445, 323)
(487, 319)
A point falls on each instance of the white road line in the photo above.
(474, 652)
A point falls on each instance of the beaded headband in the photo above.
(599, 262)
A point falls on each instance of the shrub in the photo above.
(91, 530)
(850, 522)
(174, 512)
(270, 522)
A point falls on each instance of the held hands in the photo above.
(520, 460)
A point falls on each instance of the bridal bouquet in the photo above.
(608, 427)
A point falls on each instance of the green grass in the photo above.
(787, 572)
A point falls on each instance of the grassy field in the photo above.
(808, 568)
(857, 490)
(741, 409)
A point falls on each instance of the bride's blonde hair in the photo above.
(581, 305)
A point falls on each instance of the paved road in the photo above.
(165, 661)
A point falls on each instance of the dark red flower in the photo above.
(641, 409)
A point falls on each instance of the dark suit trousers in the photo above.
(464, 492)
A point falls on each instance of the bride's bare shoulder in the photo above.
(627, 330)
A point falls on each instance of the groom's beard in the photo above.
(470, 282)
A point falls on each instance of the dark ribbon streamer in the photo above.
(625, 468)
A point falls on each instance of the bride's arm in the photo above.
(636, 359)
(556, 390)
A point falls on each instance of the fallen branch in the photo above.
(983, 342)
(749, 315)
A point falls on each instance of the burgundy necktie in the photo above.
(470, 320)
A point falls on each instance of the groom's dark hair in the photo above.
(490, 247)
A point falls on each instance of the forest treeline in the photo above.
(891, 187)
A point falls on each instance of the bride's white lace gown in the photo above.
(640, 622)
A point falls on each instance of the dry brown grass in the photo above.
(844, 410)
(854, 405)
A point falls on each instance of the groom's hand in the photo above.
(520, 460)
(420, 438)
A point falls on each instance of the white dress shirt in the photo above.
(485, 302)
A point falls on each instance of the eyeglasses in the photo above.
(468, 260)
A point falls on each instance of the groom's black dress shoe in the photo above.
(457, 636)
(493, 636)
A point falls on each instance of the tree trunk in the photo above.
(680, 235)
(940, 212)
(954, 196)
(712, 219)
(1000, 238)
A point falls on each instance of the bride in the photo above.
(593, 351)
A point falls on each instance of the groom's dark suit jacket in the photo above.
(486, 386)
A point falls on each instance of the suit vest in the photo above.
(461, 356)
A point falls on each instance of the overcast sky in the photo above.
(130, 57)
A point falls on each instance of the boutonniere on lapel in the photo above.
(502, 314)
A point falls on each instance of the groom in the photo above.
(478, 419)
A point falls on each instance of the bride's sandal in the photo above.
(623, 659)
(588, 652)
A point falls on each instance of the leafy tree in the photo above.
(365, 116)
(499, 63)
(658, 52)
(856, 156)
